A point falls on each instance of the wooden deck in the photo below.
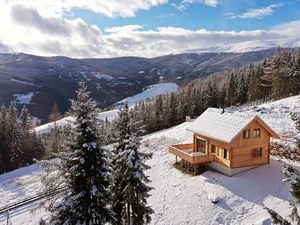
(185, 152)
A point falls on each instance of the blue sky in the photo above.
(148, 28)
(197, 16)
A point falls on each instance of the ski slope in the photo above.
(178, 198)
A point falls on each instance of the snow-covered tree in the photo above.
(83, 170)
(14, 137)
(293, 177)
(129, 189)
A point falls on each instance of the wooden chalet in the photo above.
(228, 142)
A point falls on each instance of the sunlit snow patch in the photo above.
(23, 98)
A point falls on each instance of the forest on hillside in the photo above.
(272, 79)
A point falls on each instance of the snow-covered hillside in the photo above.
(177, 198)
(249, 46)
(149, 92)
(276, 114)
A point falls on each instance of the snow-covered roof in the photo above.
(222, 126)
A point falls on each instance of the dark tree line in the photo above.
(274, 78)
(19, 145)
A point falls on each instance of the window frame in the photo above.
(257, 131)
(225, 150)
(258, 152)
(246, 133)
(215, 149)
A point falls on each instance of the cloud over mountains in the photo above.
(39, 27)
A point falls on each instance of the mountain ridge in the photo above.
(55, 79)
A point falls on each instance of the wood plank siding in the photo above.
(241, 151)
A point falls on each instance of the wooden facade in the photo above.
(251, 147)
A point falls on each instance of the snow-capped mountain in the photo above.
(250, 46)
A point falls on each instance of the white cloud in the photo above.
(182, 5)
(110, 8)
(27, 29)
(258, 13)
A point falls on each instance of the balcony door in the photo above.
(201, 145)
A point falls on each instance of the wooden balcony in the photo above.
(185, 152)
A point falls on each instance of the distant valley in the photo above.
(40, 81)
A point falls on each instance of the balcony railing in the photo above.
(185, 152)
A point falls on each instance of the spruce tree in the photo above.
(83, 170)
(14, 137)
(55, 138)
(130, 190)
(3, 140)
(172, 110)
(231, 90)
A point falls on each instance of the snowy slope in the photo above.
(249, 46)
(178, 198)
(276, 114)
(150, 92)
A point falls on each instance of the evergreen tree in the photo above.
(211, 96)
(25, 120)
(130, 190)
(3, 141)
(83, 170)
(293, 177)
(14, 137)
(159, 112)
(56, 135)
(171, 117)
(242, 90)
(231, 90)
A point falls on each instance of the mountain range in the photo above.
(39, 81)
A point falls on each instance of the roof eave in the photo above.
(214, 138)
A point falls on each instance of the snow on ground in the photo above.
(102, 76)
(21, 81)
(149, 92)
(23, 98)
(277, 114)
(45, 128)
(178, 198)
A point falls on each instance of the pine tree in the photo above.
(14, 137)
(83, 170)
(172, 110)
(211, 96)
(3, 140)
(231, 90)
(55, 138)
(130, 190)
(242, 90)
(25, 120)
(159, 112)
